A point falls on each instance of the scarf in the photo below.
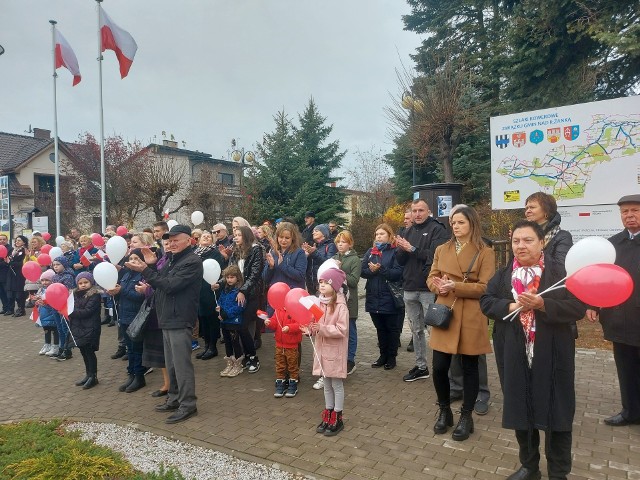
(525, 279)
(550, 234)
(203, 251)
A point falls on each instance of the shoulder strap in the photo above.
(473, 260)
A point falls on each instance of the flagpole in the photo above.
(56, 151)
(103, 196)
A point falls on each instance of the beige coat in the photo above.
(468, 332)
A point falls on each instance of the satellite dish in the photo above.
(236, 155)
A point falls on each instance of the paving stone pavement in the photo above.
(388, 423)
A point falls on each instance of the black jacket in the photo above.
(426, 237)
(85, 318)
(177, 289)
(252, 282)
(378, 296)
(621, 324)
(207, 304)
(307, 233)
(559, 245)
(542, 397)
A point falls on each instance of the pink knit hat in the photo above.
(47, 275)
(333, 277)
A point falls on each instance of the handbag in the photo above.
(397, 293)
(438, 315)
(136, 329)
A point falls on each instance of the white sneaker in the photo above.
(54, 350)
(319, 385)
(45, 348)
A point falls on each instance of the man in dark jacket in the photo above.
(415, 253)
(4, 271)
(307, 239)
(621, 324)
(177, 292)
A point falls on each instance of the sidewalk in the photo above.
(388, 423)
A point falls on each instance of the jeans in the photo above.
(388, 328)
(63, 331)
(416, 303)
(134, 353)
(353, 340)
(456, 377)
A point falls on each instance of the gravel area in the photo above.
(147, 451)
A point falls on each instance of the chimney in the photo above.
(170, 143)
(41, 133)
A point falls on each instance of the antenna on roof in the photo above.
(30, 129)
(184, 144)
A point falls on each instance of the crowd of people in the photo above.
(161, 279)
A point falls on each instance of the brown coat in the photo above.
(468, 332)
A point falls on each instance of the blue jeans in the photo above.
(415, 303)
(134, 352)
(63, 331)
(353, 340)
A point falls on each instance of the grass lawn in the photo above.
(45, 450)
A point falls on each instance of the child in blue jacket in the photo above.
(46, 315)
(231, 320)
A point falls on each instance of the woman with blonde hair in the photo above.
(381, 268)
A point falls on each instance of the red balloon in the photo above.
(121, 230)
(3, 251)
(46, 249)
(601, 285)
(31, 271)
(97, 240)
(276, 295)
(57, 296)
(297, 311)
(46, 236)
(44, 260)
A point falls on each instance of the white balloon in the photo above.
(197, 217)
(589, 251)
(55, 252)
(59, 240)
(116, 249)
(106, 275)
(211, 271)
(331, 263)
(171, 224)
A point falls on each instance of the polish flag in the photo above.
(69, 308)
(119, 40)
(166, 215)
(85, 259)
(311, 303)
(100, 255)
(66, 58)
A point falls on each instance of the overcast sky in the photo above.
(208, 71)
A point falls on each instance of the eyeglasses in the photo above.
(215, 232)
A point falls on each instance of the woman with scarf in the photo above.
(543, 209)
(208, 321)
(85, 247)
(379, 267)
(535, 352)
(15, 279)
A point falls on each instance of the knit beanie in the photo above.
(334, 277)
(86, 276)
(62, 260)
(24, 239)
(323, 228)
(47, 275)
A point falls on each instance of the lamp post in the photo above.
(413, 105)
(242, 156)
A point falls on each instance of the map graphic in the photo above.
(586, 154)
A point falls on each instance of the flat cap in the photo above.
(630, 199)
(176, 230)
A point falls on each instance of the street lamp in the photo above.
(242, 156)
(413, 105)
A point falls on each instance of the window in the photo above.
(46, 184)
(225, 178)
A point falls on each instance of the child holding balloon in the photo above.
(65, 276)
(46, 315)
(231, 315)
(330, 348)
(288, 336)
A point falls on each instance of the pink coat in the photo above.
(331, 341)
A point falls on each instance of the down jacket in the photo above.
(85, 319)
(378, 296)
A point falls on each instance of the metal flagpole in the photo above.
(103, 196)
(56, 151)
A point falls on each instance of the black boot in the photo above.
(80, 383)
(326, 417)
(335, 424)
(137, 384)
(65, 355)
(212, 352)
(203, 352)
(120, 352)
(91, 382)
(445, 418)
(107, 318)
(464, 427)
(19, 312)
(124, 386)
(8, 312)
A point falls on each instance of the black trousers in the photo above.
(470, 378)
(627, 359)
(388, 329)
(233, 341)
(90, 359)
(4, 296)
(209, 329)
(19, 298)
(557, 449)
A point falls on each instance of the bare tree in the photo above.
(160, 180)
(371, 176)
(217, 201)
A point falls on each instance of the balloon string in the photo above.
(315, 352)
(555, 286)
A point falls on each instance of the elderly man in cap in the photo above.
(177, 293)
(621, 324)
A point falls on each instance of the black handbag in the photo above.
(397, 293)
(136, 329)
(438, 315)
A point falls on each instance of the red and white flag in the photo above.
(85, 259)
(100, 255)
(65, 57)
(119, 40)
(166, 215)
